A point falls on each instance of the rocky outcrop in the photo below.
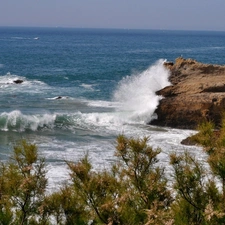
(18, 81)
(197, 93)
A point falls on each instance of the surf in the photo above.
(134, 102)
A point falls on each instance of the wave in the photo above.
(134, 102)
(19, 122)
(97, 122)
(136, 93)
(16, 121)
(24, 38)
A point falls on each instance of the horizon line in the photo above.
(107, 28)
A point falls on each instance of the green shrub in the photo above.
(23, 186)
(198, 199)
(130, 192)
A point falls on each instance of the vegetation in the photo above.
(22, 187)
(135, 190)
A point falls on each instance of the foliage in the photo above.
(146, 181)
(213, 142)
(197, 198)
(199, 194)
(134, 190)
(206, 135)
(23, 185)
(124, 194)
(65, 206)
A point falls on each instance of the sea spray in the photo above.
(136, 93)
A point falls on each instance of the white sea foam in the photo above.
(21, 38)
(59, 97)
(87, 86)
(101, 152)
(8, 82)
(136, 93)
(9, 79)
(105, 104)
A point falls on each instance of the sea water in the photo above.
(83, 87)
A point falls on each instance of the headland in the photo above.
(196, 94)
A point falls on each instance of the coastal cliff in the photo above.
(197, 93)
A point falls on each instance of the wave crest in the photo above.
(17, 121)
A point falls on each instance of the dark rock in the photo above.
(18, 81)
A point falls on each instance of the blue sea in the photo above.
(83, 87)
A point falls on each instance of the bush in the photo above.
(23, 186)
(133, 191)
(200, 200)
(126, 193)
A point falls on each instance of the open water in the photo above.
(83, 87)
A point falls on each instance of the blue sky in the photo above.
(138, 14)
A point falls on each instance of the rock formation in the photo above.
(197, 93)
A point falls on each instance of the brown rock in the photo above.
(197, 93)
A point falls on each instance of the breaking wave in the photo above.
(16, 121)
(136, 93)
(19, 122)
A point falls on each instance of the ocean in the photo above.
(83, 87)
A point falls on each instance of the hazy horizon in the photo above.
(108, 14)
(106, 28)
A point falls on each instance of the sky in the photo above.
(126, 14)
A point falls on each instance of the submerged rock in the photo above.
(18, 81)
(197, 93)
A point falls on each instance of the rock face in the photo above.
(197, 93)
